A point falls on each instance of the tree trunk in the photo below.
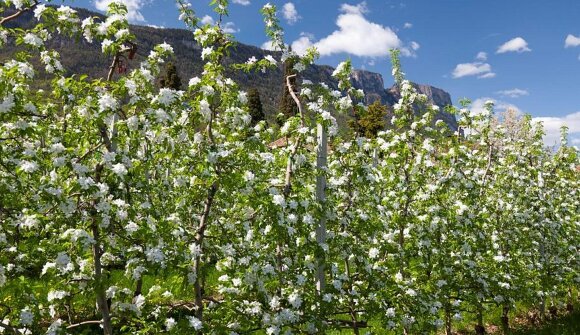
(479, 327)
(351, 302)
(570, 303)
(139, 287)
(199, 237)
(505, 319)
(447, 319)
(321, 199)
(542, 308)
(102, 303)
(100, 289)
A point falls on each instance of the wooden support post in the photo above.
(321, 162)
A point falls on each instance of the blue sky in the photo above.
(521, 53)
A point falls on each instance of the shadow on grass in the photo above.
(568, 324)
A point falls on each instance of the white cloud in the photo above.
(268, 46)
(242, 2)
(481, 70)
(517, 44)
(481, 56)
(290, 13)
(513, 93)
(551, 124)
(359, 9)
(571, 41)
(302, 44)
(207, 20)
(487, 75)
(360, 37)
(228, 27)
(415, 46)
(133, 8)
(552, 127)
(408, 25)
(478, 106)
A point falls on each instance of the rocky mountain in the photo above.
(78, 56)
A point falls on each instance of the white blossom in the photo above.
(194, 81)
(7, 103)
(206, 52)
(26, 317)
(194, 322)
(39, 10)
(279, 200)
(28, 167)
(107, 102)
(119, 169)
(271, 59)
(373, 253)
(56, 295)
(170, 323)
(2, 275)
(32, 39)
(54, 327)
(205, 109)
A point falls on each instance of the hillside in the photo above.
(78, 56)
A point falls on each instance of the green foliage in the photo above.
(372, 121)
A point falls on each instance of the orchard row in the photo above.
(126, 208)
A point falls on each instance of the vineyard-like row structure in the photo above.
(129, 209)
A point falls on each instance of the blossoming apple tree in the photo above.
(126, 208)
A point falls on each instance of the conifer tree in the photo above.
(255, 106)
(170, 78)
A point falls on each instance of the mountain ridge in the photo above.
(88, 59)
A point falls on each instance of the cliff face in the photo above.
(80, 57)
(372, 84)
(435, 96)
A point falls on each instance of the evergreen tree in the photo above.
(255, 106)
(170, 78)
(372, 121)
(287, 105)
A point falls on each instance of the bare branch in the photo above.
(288, 183)
(487, 168)
(296, 100)
(18, 13)
(91, 322)
(288, 176)
(10, 328)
